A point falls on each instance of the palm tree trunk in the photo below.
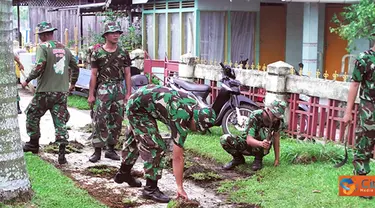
(14, 180)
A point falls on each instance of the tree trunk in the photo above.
(14, 180)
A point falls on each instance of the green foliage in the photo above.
(154, 79)
(78, 102)
(205, 176)
(356, 22)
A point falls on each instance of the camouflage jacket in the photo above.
(113, 71)
(53, 64)
(171, 107)
(256, 128)
(364, 72)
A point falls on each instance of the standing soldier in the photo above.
(52, 70)
(262, 130)
(363, 78)
(110, 65)
(181, 114)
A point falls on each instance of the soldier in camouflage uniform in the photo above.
(110, 65)
(175, 109)
(363, 77)
(262, 130)
(52, 65)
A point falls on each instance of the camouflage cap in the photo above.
(277, 108)
(45, 27)
(111, 27)
(204, 118)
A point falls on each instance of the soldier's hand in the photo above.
(276, 163)
(91, 100)
(181, 193)
(72, 88)
(347, 118)
(265, 144)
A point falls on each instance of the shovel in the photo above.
(31, 86)
(346, 137)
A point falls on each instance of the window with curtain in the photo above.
(150, 35)
(242, 36)
(162, 42)
(212, 37)
(175, 46)
(188, 32)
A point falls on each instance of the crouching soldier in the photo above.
(175, 109)
(262, 131)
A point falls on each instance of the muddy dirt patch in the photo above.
(108, 172)
(73, 146)
(201, 174)
(180, 203)
(107, 197)
(102, 171)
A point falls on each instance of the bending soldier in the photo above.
(175, 109)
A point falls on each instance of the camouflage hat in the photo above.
(204, 118)
(45, 27)
(111, 27)
(277, 108)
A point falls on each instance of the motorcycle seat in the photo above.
(191, 86)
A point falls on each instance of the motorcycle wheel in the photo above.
(230, 121)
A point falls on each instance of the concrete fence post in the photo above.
(139, 60)
(186, 67)
(276, 84)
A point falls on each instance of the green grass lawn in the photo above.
(292, 184)
(78, 102)
(52, 189)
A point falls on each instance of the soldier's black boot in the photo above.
(258, 162)
(237, 160)
(62, 159)
(111, 153)
(152, 191)
(32, 146)
(123, 175)
(18, 107)
(96, 156)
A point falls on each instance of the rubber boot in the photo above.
(258, 162)
(32, 146)
(18, 108)
(152, 191)
(123, 175)
(237, 160)
(96, 156)
(111, 153)
(62, 159)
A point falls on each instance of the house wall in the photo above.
(226, 5)
(294, 34)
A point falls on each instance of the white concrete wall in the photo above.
(294, 34)
(225, 5)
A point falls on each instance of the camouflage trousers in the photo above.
(238, 146)
(145, 140)
(55, 102)
(365, 138)
(108, 114)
